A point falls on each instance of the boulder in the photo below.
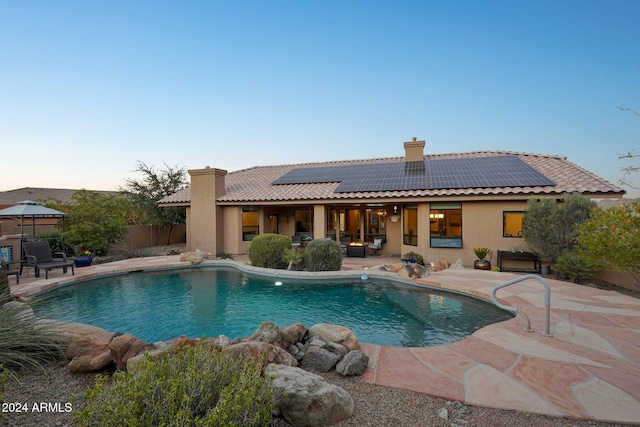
(158, 349)
(263, 352)
(306, 399)
(337, 349)
(319, 359)
(193, 257)
(353, 363)
(97, 358)
(412, 271)
(221, 341)
(335, 333)
(394, 268)
(78, 338)
(292, 334)
(124, 347)
(22, 310)
(267, 332)
(440, 265)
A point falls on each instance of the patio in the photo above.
(589, 369)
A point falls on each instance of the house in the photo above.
(437, 205)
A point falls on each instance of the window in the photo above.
(375, 224)
(250, 226)
(410, 227)
(333, 216)
(512, 223)
(445, 225)
(304, 222)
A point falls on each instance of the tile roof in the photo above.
(254, 185)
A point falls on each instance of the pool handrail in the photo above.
(547, 301)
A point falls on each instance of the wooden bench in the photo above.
(39, 256)
(519, 256)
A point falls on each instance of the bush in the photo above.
(610, 239)
(24, 341)
(267, 250)
(572, 266)
(294, 259)
(128, 252)
(412, 257)
(94, 220)
(4, 376)
(192, 385)
(224, 255)
(550, 228)
(56, 243)
(323, 255)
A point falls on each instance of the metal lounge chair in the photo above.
(39, 256)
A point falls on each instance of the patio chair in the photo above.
(344, 242)
(375, 246)
(296, 241)
(39, 256)
(4, 266)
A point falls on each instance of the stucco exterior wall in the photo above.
(232, 218)
(205, 229)
(481, 226)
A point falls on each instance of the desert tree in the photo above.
(155, 185)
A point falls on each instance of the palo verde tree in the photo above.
(154, 186)
(94, 220)
(550, 228)
(610, 239)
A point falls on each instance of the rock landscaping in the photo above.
(301, 397)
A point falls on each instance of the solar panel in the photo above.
(476, 172)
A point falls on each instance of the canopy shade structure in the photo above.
(29, 209)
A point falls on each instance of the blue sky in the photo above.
(89, 88)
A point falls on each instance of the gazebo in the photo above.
(30, 210)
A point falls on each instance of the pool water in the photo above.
(156, 306)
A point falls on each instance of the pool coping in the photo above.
(588, 369)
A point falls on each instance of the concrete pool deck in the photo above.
(588, 369)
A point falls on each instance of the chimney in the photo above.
(414, 150)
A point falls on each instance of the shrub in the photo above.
(24, 341)
(294, 259)
(94, 220)
(267, 250)
(56, 242)
(573, 266)
(412, 257)
(194, 385)
(4, 376)
(323, 255)
(610, 239)
(127, 251)
(550, 228)
(224, 255)
(481, 252)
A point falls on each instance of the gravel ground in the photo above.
(375, 406)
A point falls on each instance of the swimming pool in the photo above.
(197, 302)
